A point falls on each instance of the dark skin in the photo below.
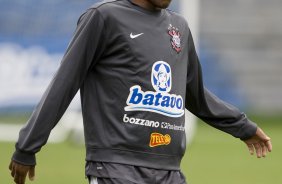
(152, 5)
(260, 143)
(20, 171)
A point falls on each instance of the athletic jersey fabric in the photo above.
(137, 70)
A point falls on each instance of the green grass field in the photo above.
(213, 158)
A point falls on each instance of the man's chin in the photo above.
(165, 4)
(161, 4)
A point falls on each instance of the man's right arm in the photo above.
(83, 52)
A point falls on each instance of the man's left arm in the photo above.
(218, 113)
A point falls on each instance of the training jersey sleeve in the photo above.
(85, 48)
(210, 108)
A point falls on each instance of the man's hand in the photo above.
(19, 172)
(259, 143)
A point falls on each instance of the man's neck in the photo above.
(145, 4)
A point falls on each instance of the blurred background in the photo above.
(239, 44)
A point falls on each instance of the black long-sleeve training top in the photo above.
(137, 70)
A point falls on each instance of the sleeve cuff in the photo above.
(24, 158)
(248, 130)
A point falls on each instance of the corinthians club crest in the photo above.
(175, 38)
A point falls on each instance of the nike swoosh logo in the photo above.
(132, 36)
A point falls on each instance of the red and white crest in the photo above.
(175, 38)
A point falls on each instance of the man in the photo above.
(137, 69)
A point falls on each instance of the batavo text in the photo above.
(158, 102)
(149, 123)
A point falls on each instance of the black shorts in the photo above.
(110, 173)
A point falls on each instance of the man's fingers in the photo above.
(16, 179)
(31, 173)
(251, 148)
(259, 143)
(19, 179)
(269, 145)
(19, 172)
(22, 178)
(13, 170)
(262, 135)
(264, 149)
(258, 150)
(10, 166)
